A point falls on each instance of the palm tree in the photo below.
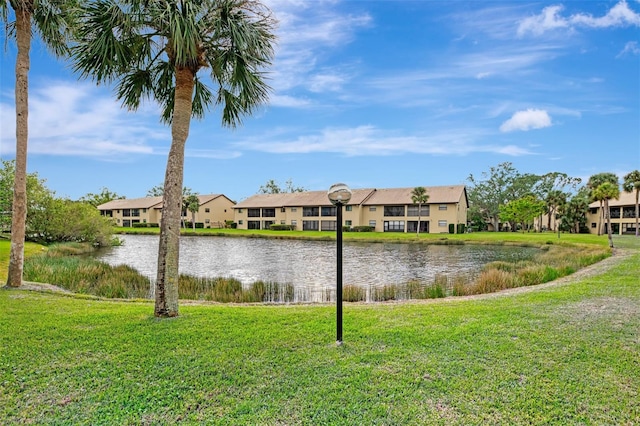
(631, 183)
(192, 204)
(606, 192)
(155, 49)
(594, 182)
(51, 21)
(419, 196)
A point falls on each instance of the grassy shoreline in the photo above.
(553, 355)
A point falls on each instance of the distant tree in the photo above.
(497, 187)
(554, 189)
(419, 196)
(36, 191)
(192, 204)
(272, 187)
(554, 202)
(573, 214)
(522, 211)
(605, 192)
(52, 21)
(632, 183)
(594, 182)
(156, 191)
(104, 196)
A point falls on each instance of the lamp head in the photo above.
(339, 194)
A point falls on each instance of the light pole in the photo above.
(339, 194)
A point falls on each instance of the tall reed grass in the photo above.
(67, 266)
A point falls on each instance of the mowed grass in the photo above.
(566, 354)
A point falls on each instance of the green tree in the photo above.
(419, 196)
(51, 21)
(155, 49)
(605, 192)
(573, 214)
(632, 183)
(497, 187)
(273, 187)
(554, 189)
(522, 211)
(104, 196)
(192, 204)
(594, 182)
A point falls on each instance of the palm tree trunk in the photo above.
(19, 214)
(608, 218)
(637, 208)
(166, 304)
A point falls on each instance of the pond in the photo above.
(310, 266)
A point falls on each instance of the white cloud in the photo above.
(527, 120)
(631, 48)
(68, 118)
(368, 140)
(620, 15)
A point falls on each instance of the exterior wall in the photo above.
(141, 215)
(214, 213)
(622, 220)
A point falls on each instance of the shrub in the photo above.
(282, 227)
(362, 229)
(452, 228)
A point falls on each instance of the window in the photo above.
(394, 210)
(593, 225)
(282, 222)
(329, 211)
(207, 210)
(394, 226)
(239, 210)
(294, 222)
(328, 225)
(348, 208)
(372, 223)
(126, 222)
(240, 222)
(309, 225)
(135, 212)
(442, 223)
(442, 207)
(253, 224)
(144, 210)
(253, 213)
(283, 210)
(310, 211)
(268, 223)
(207, 221)
(294, 209)
(372, 209)
(126, 213)
(347, 223)
(413, 210)
(268, 212)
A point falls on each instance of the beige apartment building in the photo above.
(385, 210)
(214, 210)
(623, 215)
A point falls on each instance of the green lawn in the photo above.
(567, 354)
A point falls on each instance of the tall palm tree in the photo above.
(631, 183)
(606, 192)
(594, 182)
(419, 196)
(155, 49)
(50, 20)
(192, 204)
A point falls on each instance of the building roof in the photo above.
(367, 196)
(625, 199)
(150, 202)
(132, 203)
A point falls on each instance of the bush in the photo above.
(452, 228)
(281, 227)
(362, 228)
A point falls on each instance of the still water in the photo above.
(311, 264)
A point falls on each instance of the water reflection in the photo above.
(311, 265)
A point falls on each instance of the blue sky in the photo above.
(375, 94)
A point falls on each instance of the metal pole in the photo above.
(339, 275)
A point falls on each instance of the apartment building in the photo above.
(214, 210)
(384, 210)
(623, 215)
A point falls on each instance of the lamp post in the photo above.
(339, 194)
